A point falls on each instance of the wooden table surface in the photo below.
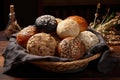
(90, 74)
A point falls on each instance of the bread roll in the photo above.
(56, 37)
(68, 28)
(58, 20)
(89, 39)
(42, 44)
(23, 36)
(71, 48)
(81, 21)
(46, 23)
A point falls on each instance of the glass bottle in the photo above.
(13, 26)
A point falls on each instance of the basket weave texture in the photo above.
(65, 66)
(112, 37)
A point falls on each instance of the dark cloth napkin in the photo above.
(17, 59)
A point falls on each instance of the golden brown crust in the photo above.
(81, 21)
(23, 36)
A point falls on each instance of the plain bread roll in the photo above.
(89, 39)
(68, 28)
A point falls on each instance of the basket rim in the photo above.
(66, 66)
(93, 57)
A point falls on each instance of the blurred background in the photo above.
(27, 11)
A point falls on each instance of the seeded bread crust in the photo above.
(71, 48)
(42, 44)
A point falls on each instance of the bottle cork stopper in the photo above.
(11, 8)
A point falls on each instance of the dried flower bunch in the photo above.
(109, 27)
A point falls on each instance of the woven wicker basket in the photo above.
(71, 66)
(112, 37)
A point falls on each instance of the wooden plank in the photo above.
(1, 61)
